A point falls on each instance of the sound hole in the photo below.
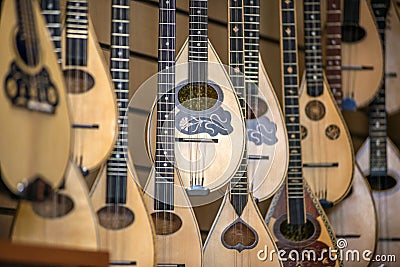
(332, 132)
(56, 206)
(197, 97)
(78, 81)
(315, 110)
(297, 232)
(381, 183)
(239, 236)
(257, 108)
(166, 223)
(115, 217)
(352, 33)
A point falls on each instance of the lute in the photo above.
(125, 226)
(295, 216)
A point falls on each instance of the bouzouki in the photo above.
(379, 160)
(208, 120)
(239, 231)
(66, 218)
(90, 90)
(357, 226)
(178, 235)
(267, 145)
(125, 227)
(295, 216)
(33, 107)
(362, 71)
(328, 157)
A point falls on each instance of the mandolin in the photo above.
(239, 231)
(328, 157)
(33, 105)
(125, 227)
(178, 235)
(66, 218)
(208, 121)
(90, 90)
(379, 160)
(295, 216)
(362, 71)
(267, 145)
(357, 226)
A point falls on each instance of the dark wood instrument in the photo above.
(380, 162)
(295, 216)
(125, 227)
(328, 157)
(90, 90)
(239, 231)
(33, 105)
(178, 236)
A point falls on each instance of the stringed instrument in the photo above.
(66, 218)
(178, 236)
(295, 216)
(239, 231)
(208, 120)
(362, 71)
(90, 89)
(379, 161)
(267, 145)
(33, 108)
(328, 157)
(125, 226)
(359, 227)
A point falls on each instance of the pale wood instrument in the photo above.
(178, 235)
(295, 216)
(125, 226)
(239, 231)
(90, 90)
(33, 108)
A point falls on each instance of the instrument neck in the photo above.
(290, 81)
(251, 45)
(377, 109)
(334, 49)
(313, 45)
(239, 187)
(198, 41)
(77, 27)
(351, 12)
(165, 129)
(117, 169)
(52, 13)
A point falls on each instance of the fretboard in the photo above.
(290, 82)
(313, 45)
(251, 45)
(77, 25)
(164, 163)
(198, 40)
(377, 111)
(52, 14)
(351, 12)
(119, 66)
(334, 49)
(239, 182)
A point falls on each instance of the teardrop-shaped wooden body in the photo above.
(183, 245)
(76, 229)
(29, 137)
(328, 157)
(354, 219)
(267, 165)
(95, 107)
(216, 250)
(136, 241)
(387, 202)
(321, 238)
(361, 85)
